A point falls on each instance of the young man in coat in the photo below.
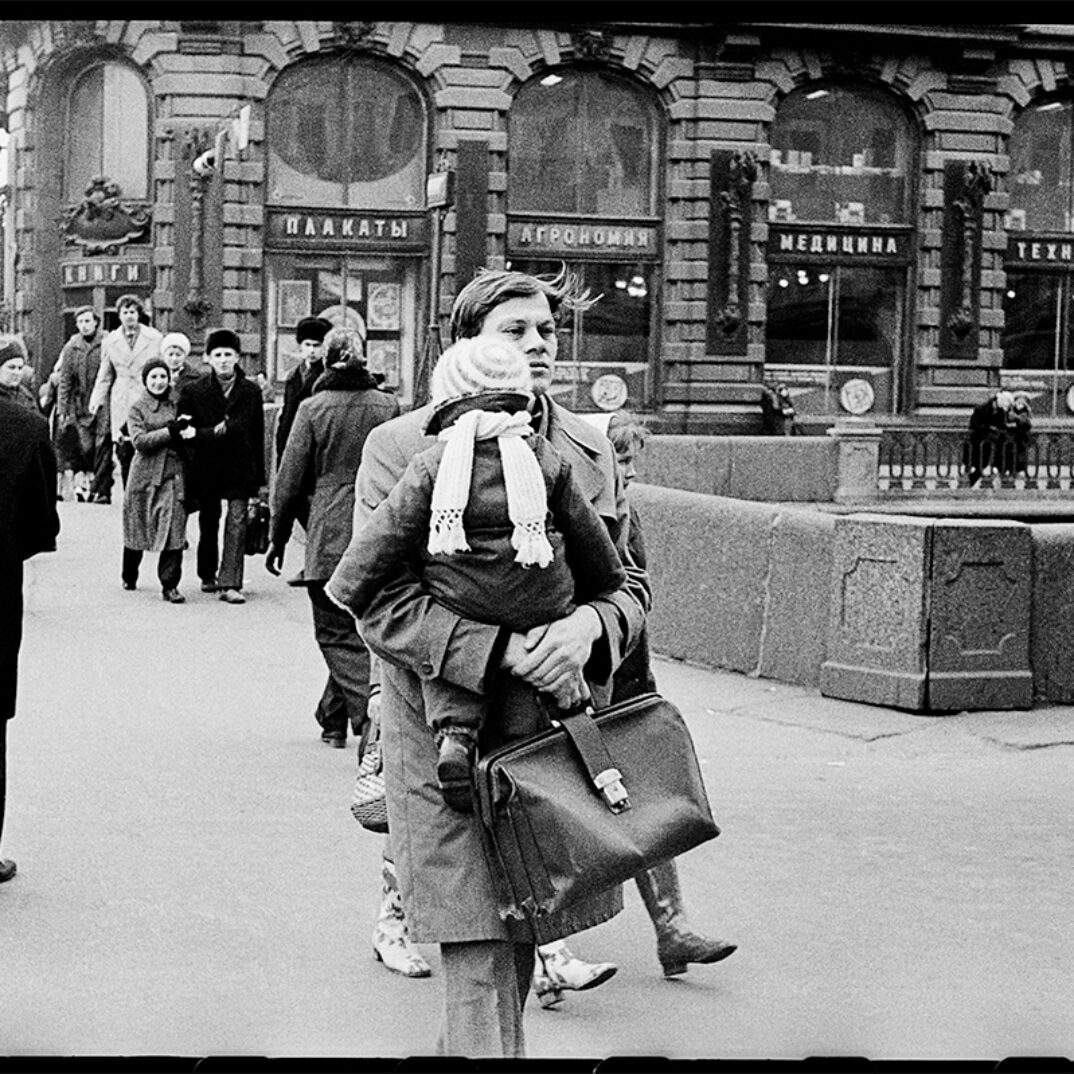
(228, 465)
(119, 379)
(310, 334)
(452, 899)
(316, 475)
(79, 363)
(28, 525)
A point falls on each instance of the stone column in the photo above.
(859, 459)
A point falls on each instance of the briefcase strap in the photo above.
(588, 741)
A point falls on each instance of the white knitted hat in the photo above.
(175, 339)
(479, 367)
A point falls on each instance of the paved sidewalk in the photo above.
(191, 881)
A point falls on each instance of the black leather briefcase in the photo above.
(590, 802)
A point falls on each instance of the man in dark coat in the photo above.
(317, 473)
(228, 461)
(28, 525)
(987, 433)
(309, 334)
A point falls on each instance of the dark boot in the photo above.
(676, 944)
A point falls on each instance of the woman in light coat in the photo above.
(154, 513)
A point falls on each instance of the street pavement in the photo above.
(191, 881)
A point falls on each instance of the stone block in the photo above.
(1051, 624)
(979, 599)
(708, 560)
(782, 469)
(931, 615)
(878, 615)
(796, 605)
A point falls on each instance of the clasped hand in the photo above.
(552, 657)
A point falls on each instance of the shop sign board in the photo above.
(591, 238)
(326, 229)
(1043, 251)
(840, 245)
(96, 271)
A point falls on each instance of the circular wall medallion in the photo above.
(609, 391)
(857, 396)
(1070, 398)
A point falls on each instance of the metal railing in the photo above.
(938, 461)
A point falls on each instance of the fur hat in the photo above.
(476, 366)
(175, 339)
(315, 328)
(222, 337)
(10, 350)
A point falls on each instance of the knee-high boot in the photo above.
(676, 943)
(391, 941)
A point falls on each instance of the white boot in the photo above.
(558, 971)
(391, 942)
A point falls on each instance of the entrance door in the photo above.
(375, 295)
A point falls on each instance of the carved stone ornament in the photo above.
(353, 35)
(103, 221)
(735, 201)
(196, 141)
(969, 209)
(592, 45)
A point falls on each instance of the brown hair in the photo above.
(492, 287)
(625, 431)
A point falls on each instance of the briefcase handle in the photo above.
(589, 742)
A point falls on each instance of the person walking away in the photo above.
(124, 351)
(317, 474)
(228, 464)
(451, 898)
(154, 516)
(331, 712)
(175, 350)
(86, 434)
(13, 387)
(493, 489)
(29, 524)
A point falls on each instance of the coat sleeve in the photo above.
(106, 375)
(293, 480)
(143, 438)
(65, 382)
(388, 542)
(37, 523)
(403, 624)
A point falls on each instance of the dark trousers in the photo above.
(169, 566)
(103, 471)
(348, 662)
(209, 561)
(125, 454)
(331, 711)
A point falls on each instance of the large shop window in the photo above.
(583, 191)
(840, 248)
(583, 142)
(107, 131)
(1038, 338)
(346, 133)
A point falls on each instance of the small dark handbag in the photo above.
(257, 528)
(590, 803)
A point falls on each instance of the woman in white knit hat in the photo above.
(175, 350)
(499, 525)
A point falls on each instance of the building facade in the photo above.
(880, 217)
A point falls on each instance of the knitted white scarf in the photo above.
(526, 500)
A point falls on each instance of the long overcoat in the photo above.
(28, 525)
(320, 460)
(119, 378)
(154, 515)
(448, 889)
(80, 361)
(231, 466)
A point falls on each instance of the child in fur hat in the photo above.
(501, 530)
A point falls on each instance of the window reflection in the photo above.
(1040, 177)
(841, 155)
(582, 142)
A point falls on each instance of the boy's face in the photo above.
(86, 323)
(311, 350)
(527, 323)
(223, 361)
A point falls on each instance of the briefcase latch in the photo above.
(610, 784)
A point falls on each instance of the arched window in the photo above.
(842, 155)
(346, 133)
(583, 142)
(840, 248)
(107, 131)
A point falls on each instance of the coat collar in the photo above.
(588, 451)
